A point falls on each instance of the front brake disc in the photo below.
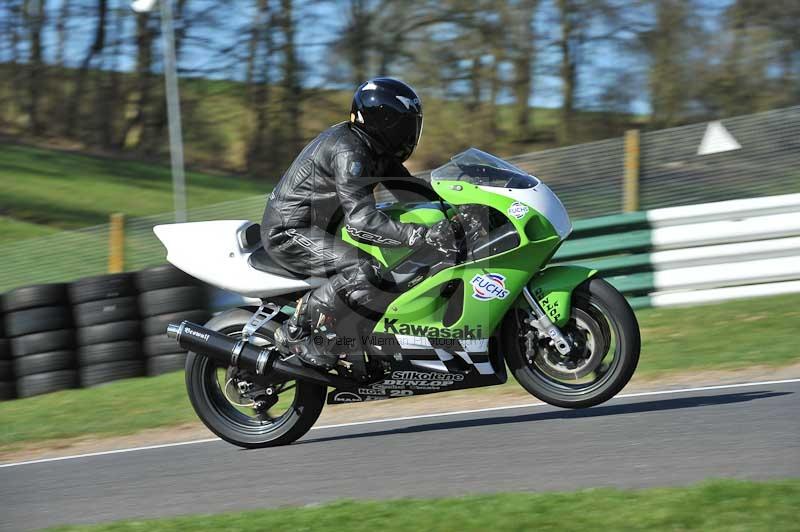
(590, 345)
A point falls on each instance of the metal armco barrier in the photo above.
(695, 253)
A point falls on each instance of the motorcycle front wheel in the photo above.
(605, 340)
(235, 409)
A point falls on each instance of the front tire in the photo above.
(606, 333)
(234, 424)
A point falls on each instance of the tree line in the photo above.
(260, 77)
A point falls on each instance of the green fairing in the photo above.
(553, 288)
(423, 306)
(420, 213)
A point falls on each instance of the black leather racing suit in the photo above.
(329, 183)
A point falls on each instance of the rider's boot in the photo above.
(308, 333)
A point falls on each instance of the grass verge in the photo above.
(58, 190)
(721, 336)
(722, 505)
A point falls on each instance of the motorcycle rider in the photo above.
(333, 179)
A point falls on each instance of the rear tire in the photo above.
(232, 425)
(592, 297)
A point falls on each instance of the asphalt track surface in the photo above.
(670, 438)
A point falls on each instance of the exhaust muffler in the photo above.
(222, 348)
(242, 354)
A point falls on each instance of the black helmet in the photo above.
(390, 113)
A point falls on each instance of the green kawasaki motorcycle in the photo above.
(568, 337)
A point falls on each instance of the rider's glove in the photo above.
(441, 237)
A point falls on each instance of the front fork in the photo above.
(544, 325)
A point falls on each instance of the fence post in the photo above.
(631, 184)
(116, 243)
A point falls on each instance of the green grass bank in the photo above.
(721, 505)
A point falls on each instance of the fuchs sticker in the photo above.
(488, 286)
(518, 210)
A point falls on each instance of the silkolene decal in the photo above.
(488, 286)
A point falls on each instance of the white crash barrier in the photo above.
(693, 297)
(719, 275)
(725, 253)
(724, 210)
(727, 231)
(725, 250)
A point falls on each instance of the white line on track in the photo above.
(406, 418)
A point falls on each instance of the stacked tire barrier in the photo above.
(167, 295)
(106, 313)
(7, 385)
(38, 323)
(94, 330)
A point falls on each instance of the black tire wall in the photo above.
(94, 330)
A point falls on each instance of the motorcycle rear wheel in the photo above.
(606, 335)
(207, 386)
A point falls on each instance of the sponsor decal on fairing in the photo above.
(518, 210)
(347, 397)
(390, 326)
(488, 286)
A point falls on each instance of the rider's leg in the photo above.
(315, 252)
(306, 333)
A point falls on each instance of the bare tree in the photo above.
(145, 34)
(73, 109)
(568, 12)
(668, 45)
(523, 57)
(261, 49)
(64, 14)
(292, 88)
(34, 15)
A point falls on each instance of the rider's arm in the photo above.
(403, 185)
(364, 222)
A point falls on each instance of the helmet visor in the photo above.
(414, 133)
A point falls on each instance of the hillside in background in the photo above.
(220, 123)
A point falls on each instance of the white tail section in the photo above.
(211, 252)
